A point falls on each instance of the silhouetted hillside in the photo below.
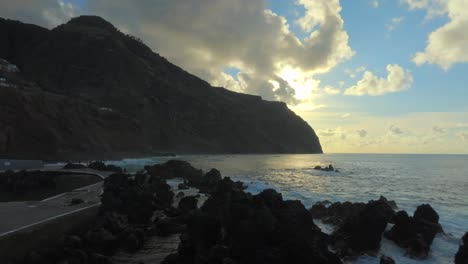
(39, 125)
(89, 59)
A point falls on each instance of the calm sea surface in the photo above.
(410, 180)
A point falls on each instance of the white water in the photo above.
(410, 180)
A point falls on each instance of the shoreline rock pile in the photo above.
(125, 221)
(416, 233)
(234, 226)
(101, 166)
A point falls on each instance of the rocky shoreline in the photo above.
(234, 226)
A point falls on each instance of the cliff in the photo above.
(88, 59)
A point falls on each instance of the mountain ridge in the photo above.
(91, 60)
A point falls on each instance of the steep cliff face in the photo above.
(39, 125)
(89, 59)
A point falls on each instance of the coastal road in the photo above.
(16, 216)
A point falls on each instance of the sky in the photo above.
(370, 76)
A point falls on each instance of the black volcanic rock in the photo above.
(415, 233)
(90, 60)
(362, 231)
(386, 260)
(210, 180)
(462, 255)
(235, 227)
(176, 169)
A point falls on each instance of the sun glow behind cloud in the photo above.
(303, 84)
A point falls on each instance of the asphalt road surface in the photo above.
(16, 216)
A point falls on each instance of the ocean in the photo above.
(410, 180)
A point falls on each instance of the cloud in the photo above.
(205, 36)
(352, 73)
(438, 130)
(446, 45)
(394, 23)
(416, 132)
(307, 107)
(46, 13)
(327, 132)
(345, 115)
(395, 130)
(331, 90)
(398, 79)
(433, 8)
(362, 132)
(464, 136)
(374, 3)
(332, 134)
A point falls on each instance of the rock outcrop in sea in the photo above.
(416, 233)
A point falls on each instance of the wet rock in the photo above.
(172, 212)
(131, 242)
(77, 256)
(72, 241)
(462, 255)
(319, 211)
(362, 232)
(97, 165)
(74, 166)
(183, 186)
(270, 198)
(338, 212)
(113, 168)
(176, 169)
(125, 218)
(415, 233)
(180, 194)
(173, 258)
(168, 226)
(391, 203)
(36, 257)
(426, 213)
(100, 259)
(229, 261)
(218, 253)
(236, 227)
(113, 221)
(188, 204)
(328, 168)
(210, 181)
(101, 166)
(127, 197)
(386, 260)
(102, 241)
(162, 190)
